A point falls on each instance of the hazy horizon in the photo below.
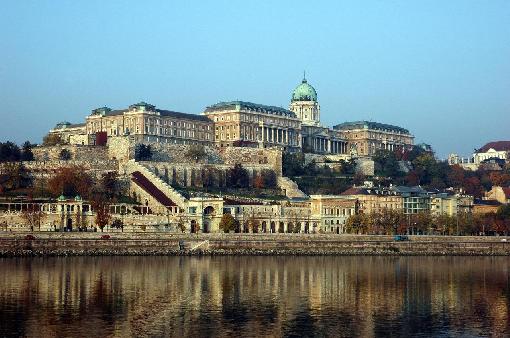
(439, 69)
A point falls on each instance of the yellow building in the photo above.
(375, 199)
(331, 211)
(145, 123)
(249, 124)
(365, 138)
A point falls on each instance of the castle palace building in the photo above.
(239, 123)
(315, 138)
(365, 137)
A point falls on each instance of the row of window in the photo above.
(256, 119)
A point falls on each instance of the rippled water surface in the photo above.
(255, 296)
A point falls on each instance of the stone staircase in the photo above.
(290, 187)
(173, 194)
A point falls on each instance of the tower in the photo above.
(304, 103)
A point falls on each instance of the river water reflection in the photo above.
(254, 296)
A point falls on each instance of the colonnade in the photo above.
(279, 135)
(329, 146)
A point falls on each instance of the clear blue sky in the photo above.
(438, 68)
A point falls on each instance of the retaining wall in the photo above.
(249, 244)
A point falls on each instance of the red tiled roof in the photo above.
(498, 146)
(144, 183)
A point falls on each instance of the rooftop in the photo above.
(370, 125)
(255, 107)
(105, 111)
(497, 145)
(67, 125)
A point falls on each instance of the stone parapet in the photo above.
(78, 152)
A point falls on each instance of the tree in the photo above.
(423, 221)
(258, 182)
(386, 221)
(456, 176)
(26, 152)
(52, 140)
(118, 224)
(228, 223)
(101, 208)
(65, 155)
(70, 181)
(32, 215)
(386, 163)
(293, 164)
(444, 224)
(357, 224)
(269, 176)
(110, 184)
(253, 224)
(473, 186)
(348, 167)
(9, 152)
(143, 152)
(238, 177)
(15, 176)
(196, 152)
(181, 222)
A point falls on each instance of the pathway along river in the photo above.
(255, 296)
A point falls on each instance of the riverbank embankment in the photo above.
(95, 244)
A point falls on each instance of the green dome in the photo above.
(304, 92)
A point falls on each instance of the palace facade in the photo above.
(240, 123)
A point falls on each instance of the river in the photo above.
(255, 296)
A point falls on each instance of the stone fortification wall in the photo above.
(198, 174)
(253, 156)
(123, 148)
(325, 159)
(78, 152)
(364, 165)
(44, 169)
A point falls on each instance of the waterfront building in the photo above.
(331, 211)
(414, 199)
(409, 200)
(450, 204)
(375, 199)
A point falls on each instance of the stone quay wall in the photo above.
(64, 244)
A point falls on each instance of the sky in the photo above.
(438, 68)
